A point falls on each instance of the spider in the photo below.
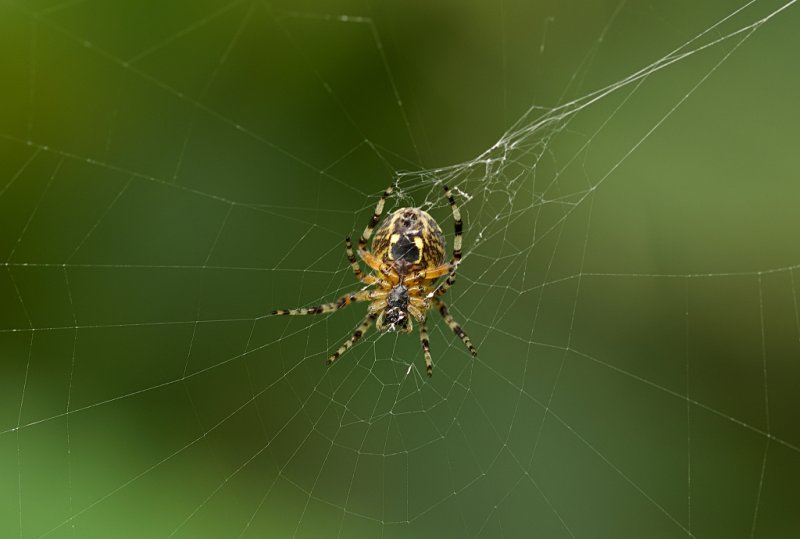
(408, 257)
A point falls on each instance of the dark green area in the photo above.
(172, 172)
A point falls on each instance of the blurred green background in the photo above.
(171, 172)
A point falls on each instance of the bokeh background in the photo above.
(171, 172)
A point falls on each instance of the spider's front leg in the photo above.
(360, 331)
(418, 305)
(453, 325)
(426, 347)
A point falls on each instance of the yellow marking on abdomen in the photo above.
(420, 243)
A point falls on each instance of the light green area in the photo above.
(172, 172)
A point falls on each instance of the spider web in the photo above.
(171, 174)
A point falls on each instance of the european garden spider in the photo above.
(408, 256)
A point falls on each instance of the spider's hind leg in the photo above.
(458, 225)
(351, 257)
(376, 216)
(371, 261)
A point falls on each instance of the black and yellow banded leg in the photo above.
(429, 274)
(359, 332)
(325, 308)
(454, 326)
(451, 279)
(372, 262)
(351, 257)
(376, 216)
(426, 347)
(457, 239)
(457, 223)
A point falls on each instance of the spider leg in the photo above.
(376, 216)
(371, 260)
(451, 278)
(325, 308)
(426, 347)
(454, 325)
(417, 307)
(378, 305)
(415, 311)
(351, 257)
(430, 273)
(362, 328)
(375, 263)
(458, 224)
(459, 227)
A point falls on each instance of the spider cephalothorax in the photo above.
(395, 317)
(408, 257)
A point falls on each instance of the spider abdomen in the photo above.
(409, 240)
